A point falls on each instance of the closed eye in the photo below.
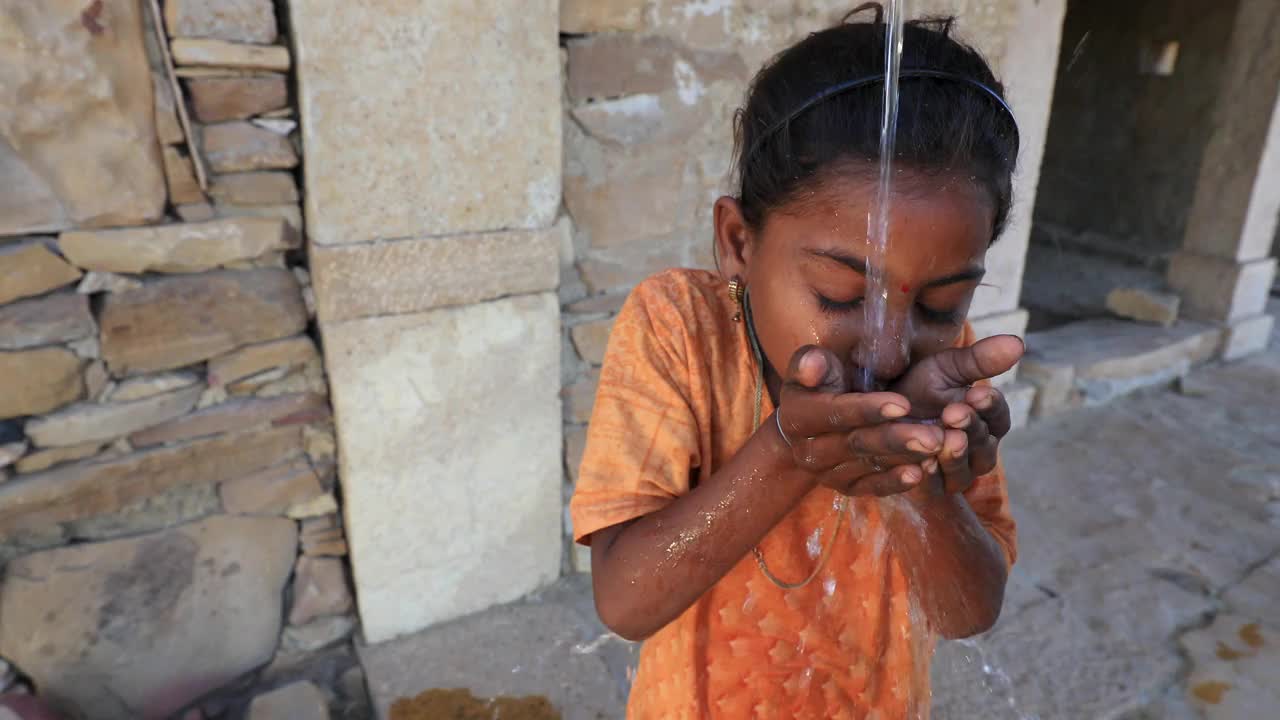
(839, 307)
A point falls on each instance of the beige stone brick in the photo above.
(580, 397)
(37, 381)
(1247, 336)
(409, 155)
(298, 701)
(178, 248)
(168, 128)
(591, 338)
(50, 320)
(30, 268)
(616, 65)
(1054, 383)
(319, 590)
(195, 212)
(241, 146)
(398, 382)
(1144, 305)
(45, 459)
(575, 444)
(1021, 398)
(249, 21)
(1220, 290)
(291, 214)
(180, 177)
(75, 492)
(592, 16)
(254, 188)
(222, 54)
(290, 353)
(145, 386)
(172, 322)
(220, 99)
(406, 276)
(273, 490)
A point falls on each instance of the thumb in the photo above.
(816, 368)
(984, 359)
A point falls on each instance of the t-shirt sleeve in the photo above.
(989, 494)
(642, 442)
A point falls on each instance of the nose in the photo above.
(884, 352)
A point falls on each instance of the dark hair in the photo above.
(944, 125)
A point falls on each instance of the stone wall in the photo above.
(169, 526)
(650, 91)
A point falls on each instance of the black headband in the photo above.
(873, 79)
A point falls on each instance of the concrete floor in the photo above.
(1149, 566)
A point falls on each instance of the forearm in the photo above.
(649, 571)
(953, 564)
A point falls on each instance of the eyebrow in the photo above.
(859, 266)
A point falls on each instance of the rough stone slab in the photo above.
(290, 353)
(405, 157)
(1221, 290)
(45, 459)
(291, 214)
(326, 504)
(297, 701)
(10, 452)
(50, 320)
(91, 488)
(1106, 358)
(618, 65)
(175, 506)
(37, 381)
(543, 647)
(1144, 305)
(1247, 336)
(94, 422)
(396, 383)
(575, 444)
(220, 99)
(592, 16)
(147, 386)
(87, 75)
(195, 212)
(580, 397)
(191, 609)
(241, 146)
(168, 128)
(233, 416)
(30, 268)
(591, 338)
(222, 54)
(272, 491)
(180, 177)
(1235, 671)
(255, 188)
(99, 282)
(319, 590)
(173, 322)
(178, 248)
(385, 278)
(250, 21)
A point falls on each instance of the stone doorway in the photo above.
(1156, 207)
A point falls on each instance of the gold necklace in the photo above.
(841, 504)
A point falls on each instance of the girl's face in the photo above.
(805, 271)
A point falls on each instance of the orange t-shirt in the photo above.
(676, 400)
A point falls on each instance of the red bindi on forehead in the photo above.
(906, 288)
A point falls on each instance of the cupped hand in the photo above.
(974, 419)
(854, 443)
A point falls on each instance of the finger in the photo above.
(992, 407)
(829, 450)
(984, 456)
(981, 360)
(815, 368)
(890, 482)
(954, 462)
(896, 439)
(808, 413)
(962, 416)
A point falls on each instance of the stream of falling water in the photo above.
(876, 300)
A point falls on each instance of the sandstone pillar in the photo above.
(1223, 271)
(432, 139)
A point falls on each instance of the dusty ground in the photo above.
(1149, 567)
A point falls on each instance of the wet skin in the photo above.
(805, 272)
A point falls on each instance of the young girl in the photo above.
(787, 521)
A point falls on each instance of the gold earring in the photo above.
(736, 291)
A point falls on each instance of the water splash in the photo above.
(876, 300)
